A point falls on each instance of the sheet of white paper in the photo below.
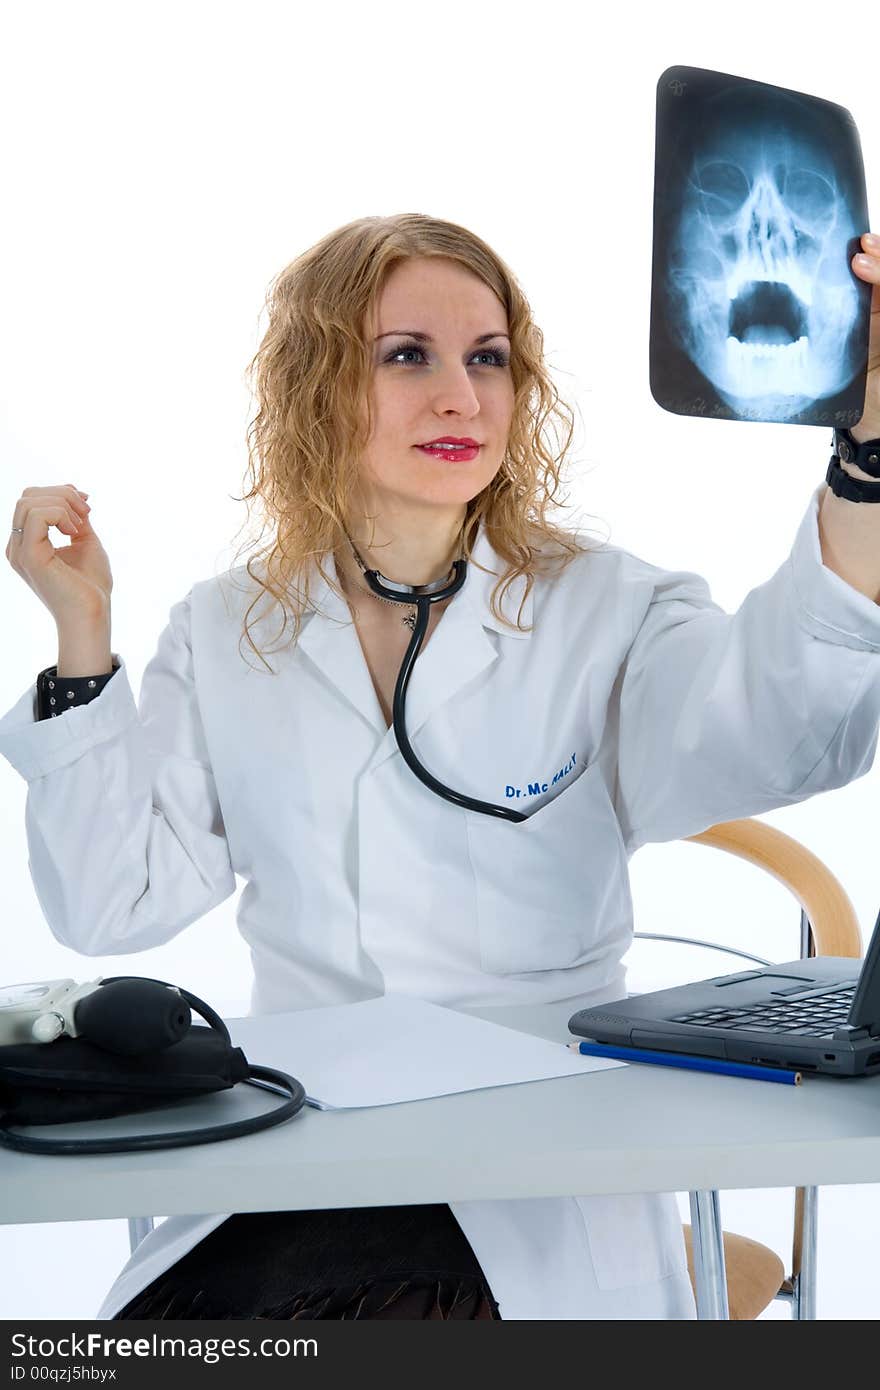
(395, 1048)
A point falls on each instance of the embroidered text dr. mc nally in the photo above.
(536, 788)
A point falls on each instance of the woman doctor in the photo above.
(609, 702)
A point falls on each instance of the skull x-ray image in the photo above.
(759, 203)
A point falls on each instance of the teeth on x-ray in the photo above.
(767, 343)
(773, 364)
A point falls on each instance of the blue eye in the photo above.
(501, 359)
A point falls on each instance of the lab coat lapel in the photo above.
(458, 651)
(463, 644)
(329, 639)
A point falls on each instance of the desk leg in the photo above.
(804, 1262)
(709, 1271)
(138, 1228)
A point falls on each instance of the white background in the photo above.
(161, 163)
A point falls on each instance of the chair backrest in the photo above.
(828, 922)
(824, 902)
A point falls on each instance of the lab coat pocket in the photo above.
(634, 1238)
(551, 888)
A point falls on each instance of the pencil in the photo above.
(687, 1063)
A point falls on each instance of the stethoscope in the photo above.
(423, 595)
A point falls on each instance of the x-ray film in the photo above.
(759, 204)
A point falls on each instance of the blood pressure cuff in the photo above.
(72, 1079)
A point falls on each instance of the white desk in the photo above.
(629, 1129)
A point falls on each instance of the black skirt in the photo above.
(341, 1262)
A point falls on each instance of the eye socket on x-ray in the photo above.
(726, 187)
(810, 197)
(759, 205)
(723, 185)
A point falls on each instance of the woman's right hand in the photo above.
(73, 581)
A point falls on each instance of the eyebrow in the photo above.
(426, 337)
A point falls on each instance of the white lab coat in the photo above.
(635, 711)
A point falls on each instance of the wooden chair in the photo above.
(755, 1275)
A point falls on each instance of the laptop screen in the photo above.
(865, 1009)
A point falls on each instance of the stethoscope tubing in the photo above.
(423, 600)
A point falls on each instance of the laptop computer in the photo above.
(818, 1015)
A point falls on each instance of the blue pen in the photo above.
(681, 1059)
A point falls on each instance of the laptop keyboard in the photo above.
(816, 1017)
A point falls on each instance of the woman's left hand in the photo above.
(869, 425)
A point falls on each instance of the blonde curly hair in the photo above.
(311, 377)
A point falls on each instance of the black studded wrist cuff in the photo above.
(844, 485)
(55, 693)
(865, 455)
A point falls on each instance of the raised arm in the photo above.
(849, 532)
(126, 839)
